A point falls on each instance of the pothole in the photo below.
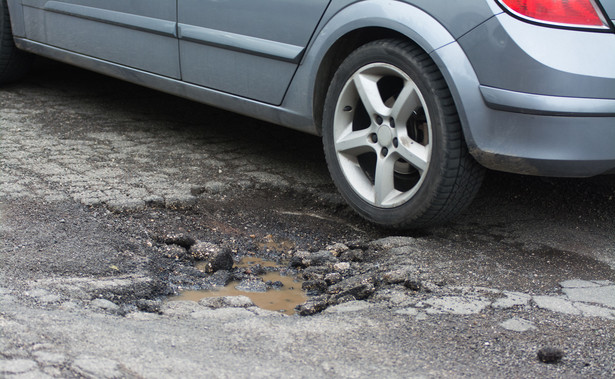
(269, 290)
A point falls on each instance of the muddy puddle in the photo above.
(282, 299)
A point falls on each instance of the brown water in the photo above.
(282, 300)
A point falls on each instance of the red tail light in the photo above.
(576, 13)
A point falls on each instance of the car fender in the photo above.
(397, 16)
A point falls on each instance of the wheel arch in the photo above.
(358, 24)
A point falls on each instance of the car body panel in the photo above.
(246, 54)
(137, 34)
(531, 99)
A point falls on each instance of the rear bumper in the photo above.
(547, 145)
(528, 103)
(548, 135)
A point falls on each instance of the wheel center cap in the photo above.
(384, 136)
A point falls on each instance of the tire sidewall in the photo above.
(418, 204)
(4, 28)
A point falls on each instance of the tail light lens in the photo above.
(571, 13)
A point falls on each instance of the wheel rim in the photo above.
(382, 135)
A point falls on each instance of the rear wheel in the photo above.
(14, 63)
(393, 140)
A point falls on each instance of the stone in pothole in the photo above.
(252, 285)
(227, 301)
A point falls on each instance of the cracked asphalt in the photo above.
(96, 172)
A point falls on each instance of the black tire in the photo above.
(14, 63)
(393, 140)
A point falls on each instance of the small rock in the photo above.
(203, 250)
(315, 273)
(227, 301)
(257, 269)
(355, 255)
(215, 257)
(341, 267)
(400, 275)
(361, 287)
(252, 285)
(312, 306)
(105, 304)
(358, 244)
(319, 258)
(180, 239)
(408, 276)
(337, 248)
(314, 286)
(220, 278)
(276, 285)
(550, 355)
(333, 278)
(296, 262)
(150, 306)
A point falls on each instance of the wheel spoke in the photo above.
(382, 135)
(407, 102)
(414, 153)
(367, 87)
(354, 142)
(384, 183)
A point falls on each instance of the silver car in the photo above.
(413, 98)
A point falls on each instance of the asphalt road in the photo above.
(98, 175)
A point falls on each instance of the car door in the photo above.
(137, 33)
(245, 47)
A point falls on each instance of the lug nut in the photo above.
(374, 137)
(379, 120)
(347, 108)
(385, 151)
(392, 123)
(395, 142)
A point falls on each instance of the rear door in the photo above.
(136, 33)
(249, 48)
